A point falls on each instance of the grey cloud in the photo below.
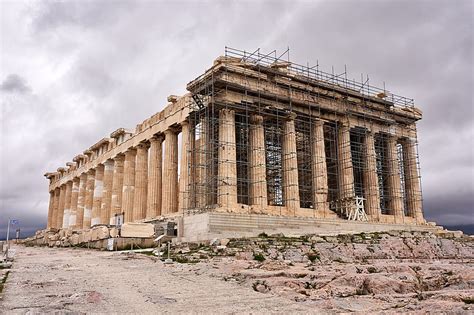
(110, 64)
(14, 83)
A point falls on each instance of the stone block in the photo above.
(74, 239)
(99, 233)
(114, 232)
(87, 236)
(143, 230)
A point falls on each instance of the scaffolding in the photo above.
(358, 128)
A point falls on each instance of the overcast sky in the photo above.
(73, 71)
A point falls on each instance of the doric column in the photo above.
(345, 174)
(98, 190)
(202, 163)
(227, 163)
(67, 205)
(89, 199)
(154, 178)
(128, 191)
(290, 165)
(54, 218)
(412, 180)
(318, 168)
(394, 180)
(185, 169)
(170, 170)
(141, 180)
(117, 188)
(62, 201)
(74, 198)
(107, 192)
(370, 179)
(81, 201)
(257, 163)
(50, 210)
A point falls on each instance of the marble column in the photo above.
(202, 164)
(370, 179)
(54, 219)
(154, 178)
(185, 169)
(67, 205)
(74, 199)
(257, 163)
(170, 173)
(141, 181)
(227, 160)
(345, 172)
(50, 210)
(98, 193)
(394, 180)
(117, 188)
(319, 169)
(81, 201)
(61, 204)
(106, 204)
(128, 191)
(412, 180)
(290, 165)
(89, 199)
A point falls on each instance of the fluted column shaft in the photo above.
(394, 180)
(81, 201)
(170, 170)
(54, 218)
(89, 199)
(50, 210)
(98, 193)
(128, 191)
(107, 192)
(370, 179)
(344, 160)
(257, 162)
(185, 169)
(62, 201)
(74, 198)
(154, 178)
(202, 164)
(227, 163)
(117, 188)
(141, 181)
(412, 180)
(290, 165)
(318, 168)
(67, 204)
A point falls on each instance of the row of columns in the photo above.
(139, 184)
(227, 169)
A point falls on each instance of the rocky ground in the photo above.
(376, 273)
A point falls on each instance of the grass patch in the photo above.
(312, 256)
(258, 257)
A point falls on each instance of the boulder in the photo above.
(114, 232)
(143, 230)
(99, 233)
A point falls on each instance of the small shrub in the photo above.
(371, 269)
(312, 256)
(258, 257)
(263, 235)
(468, 300)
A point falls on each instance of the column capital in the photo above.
(119, 157)
(157, 138)
(256, 119)
(290, 116)
(227, 110)
(171, 130)
(142, 146)
(91, 172)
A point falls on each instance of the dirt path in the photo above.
(77, 280)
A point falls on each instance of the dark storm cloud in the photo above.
(95, 66)
(14, 83)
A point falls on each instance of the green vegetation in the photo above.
(258, 257)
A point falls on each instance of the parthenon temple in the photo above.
(255, 135)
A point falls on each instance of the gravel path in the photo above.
(86, 281)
